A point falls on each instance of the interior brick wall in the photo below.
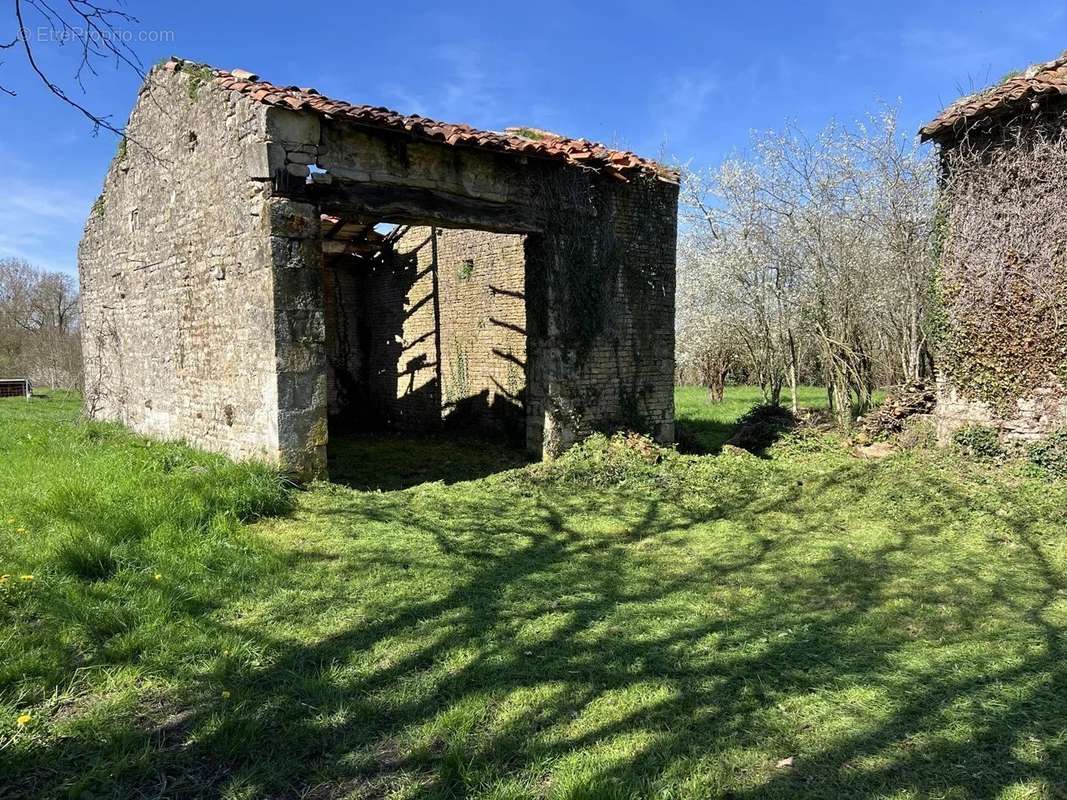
(384, 325)
(481, 280)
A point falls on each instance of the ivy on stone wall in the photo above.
(1003, 255)
(199, 76)
(581, 217)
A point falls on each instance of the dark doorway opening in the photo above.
(425, 343)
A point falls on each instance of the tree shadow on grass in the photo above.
(703, 436)
(558, 663)
(392, 461)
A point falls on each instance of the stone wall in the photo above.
(601, 318)
(176, 278)
(1002, 349)
(202, 291)
(299, 334)
(596, 359)
(1032, 417)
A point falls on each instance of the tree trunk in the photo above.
(776, 390)
(795, 403)
(793, 370)
(841, 401)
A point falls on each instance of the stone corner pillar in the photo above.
(300, 336)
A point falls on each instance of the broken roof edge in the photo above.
(581, 153)
(1016, 92)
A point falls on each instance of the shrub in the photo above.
(918, 433)
(607, 461)
(811, 440)
(980, 442)
(1050, 454)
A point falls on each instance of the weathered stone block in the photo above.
(300, 325)
(299, 356)
(256, 159)
(300, 157)
(292, 128)
(304, 389)
(293, 219)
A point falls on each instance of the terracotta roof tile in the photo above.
(524, 141)
(1039, 81)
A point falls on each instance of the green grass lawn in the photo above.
(805, 625)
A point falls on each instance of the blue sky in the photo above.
(691, 80)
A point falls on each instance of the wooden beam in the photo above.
(358, 247)
(414, 206)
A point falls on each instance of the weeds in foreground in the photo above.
(128, 542)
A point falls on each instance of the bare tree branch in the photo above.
(94, 28)
(8, 46)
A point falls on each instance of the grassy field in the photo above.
(712, 423)
(806, 625)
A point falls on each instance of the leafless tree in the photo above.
(39, 325)
(900, 198)
(816, 251)
(733, 278)
(710, 346)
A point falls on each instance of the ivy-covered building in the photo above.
(1002, 281)
(267, 267)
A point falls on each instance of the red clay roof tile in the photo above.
(523, 141)
(1038, 81)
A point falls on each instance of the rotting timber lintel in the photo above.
(418, 206)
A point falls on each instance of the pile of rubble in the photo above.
(889, 418)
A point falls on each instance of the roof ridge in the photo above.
(581, 153)
(1029, 86)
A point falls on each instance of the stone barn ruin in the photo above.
(266, 267)
(1002, 239)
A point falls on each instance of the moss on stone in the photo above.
(199, 76)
